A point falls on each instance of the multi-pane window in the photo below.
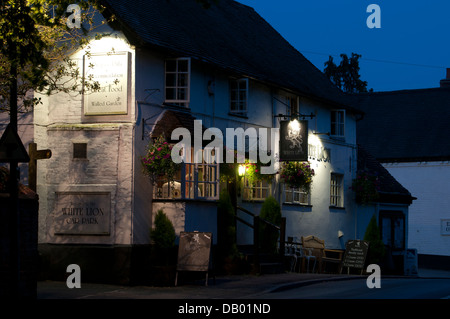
(258, 190)
(177, 81)
(337, 190)
(338, 123)
(238, 96)
(192, 181)
(296, 196)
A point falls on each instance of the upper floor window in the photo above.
(337, 190)
(177, 81)
(238, 96)
(292, 108)
(338, 123)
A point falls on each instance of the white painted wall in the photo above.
(109, 166)
(430, 183)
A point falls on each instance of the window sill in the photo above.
(298, 204)
(178, 200)
(242, 116)
(253, 200)
(337, 207)
(176, 106)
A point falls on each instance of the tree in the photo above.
(346, 76)
(376, 251)
(36, 44)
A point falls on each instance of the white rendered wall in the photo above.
(430, 183)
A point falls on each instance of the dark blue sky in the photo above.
(411, 50)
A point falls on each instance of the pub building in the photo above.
(166, 65)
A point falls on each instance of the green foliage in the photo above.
(35, 45)
(346, 75)
(227, 239)
(158, 161)
(297, 175)
(366, 187)
(163, 234)
(376, 246)
(271, 212)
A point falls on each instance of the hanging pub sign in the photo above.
(294, 140)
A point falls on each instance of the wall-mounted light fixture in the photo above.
(241, 170)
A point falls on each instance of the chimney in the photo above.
(445, 83)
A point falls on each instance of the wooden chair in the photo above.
(322, 254)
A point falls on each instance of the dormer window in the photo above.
(177, 81)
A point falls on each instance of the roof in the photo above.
(406, 125)
(229, 35)
(390, 190)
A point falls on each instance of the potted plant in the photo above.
(297, 175)
(163, 242)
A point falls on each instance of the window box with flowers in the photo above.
(366, 187)
(297, 175)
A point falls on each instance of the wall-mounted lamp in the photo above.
(340, 233)
(241, 170)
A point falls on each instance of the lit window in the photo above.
(337, 190)
(338, 123)
(238, 96)
(192, 181)
(296, 196)
(177, 81)
(258, 190)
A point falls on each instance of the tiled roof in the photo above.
(229, 35)
(407, 125)
(390, 189)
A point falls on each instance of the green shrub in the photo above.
(226, 225)
(163, 234)
(376, 251)
(270, 211)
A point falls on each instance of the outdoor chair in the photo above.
(323, 255)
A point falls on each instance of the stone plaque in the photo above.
(82, 213)
(111, 71)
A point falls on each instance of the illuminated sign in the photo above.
(111, 72)
(294, 140)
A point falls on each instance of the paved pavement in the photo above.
(223, 287)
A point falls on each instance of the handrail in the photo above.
(261, 219)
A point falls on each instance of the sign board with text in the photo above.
(294, 140)
(355, 254)
(110, 70)
(82, 213)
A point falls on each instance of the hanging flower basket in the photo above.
(158, 160)
(366, 187)
(297, 175)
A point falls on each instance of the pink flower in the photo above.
(159, 149)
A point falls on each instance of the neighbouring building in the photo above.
(176, 63)
(407, 131)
